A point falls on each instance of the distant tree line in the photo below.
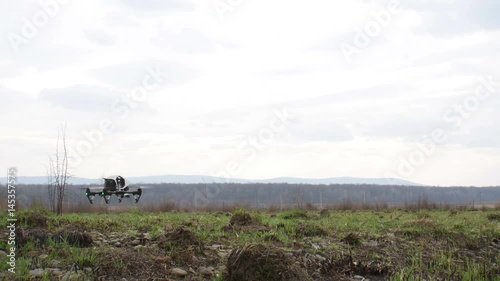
(259, 195)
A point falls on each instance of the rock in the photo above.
(117, 244)
(221, 268)
(138, 247)
(207, 271)
(36, 272)
(147, 236)
(321, 258)
(163, 259)
(71, 276)
(3, 255)
(215, 247)
(358, 277)
(135, 242)
(43, 256)
(54, 271)
(55, 263)
(179, 272)
(222, 254)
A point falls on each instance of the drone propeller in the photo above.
(136, 186)
(91, 188)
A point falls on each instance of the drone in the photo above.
(117, 187)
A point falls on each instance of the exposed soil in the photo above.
(181, 238)
(128, 262)
(324, 213)
(351, 239)
(245, 222)
(74, 238)
(33, 219)
(41, 236)
(287, 249)
(258, 262)
(494, 217)
(295, 214)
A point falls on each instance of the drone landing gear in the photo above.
(120, 194)
(137, 194)
(90, 195)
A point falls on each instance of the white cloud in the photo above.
(227, 76)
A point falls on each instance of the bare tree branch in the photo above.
(57, 173)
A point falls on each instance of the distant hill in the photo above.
(210, 179)
(341, 180)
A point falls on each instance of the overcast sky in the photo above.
(254, 89)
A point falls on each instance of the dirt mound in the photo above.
(180, 237)
(33, 219)
(244, 221)
(257, 262)
(182, 245)
(241, 219)
(309, 230)
(494, 217)
(295, 214)
(38, 236)
(116, 263)
(324, 213)
(73, 238)
(351, 239)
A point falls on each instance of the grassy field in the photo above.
(290, 245)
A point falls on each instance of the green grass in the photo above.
(421, 245)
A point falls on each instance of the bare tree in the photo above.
(57, 173)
